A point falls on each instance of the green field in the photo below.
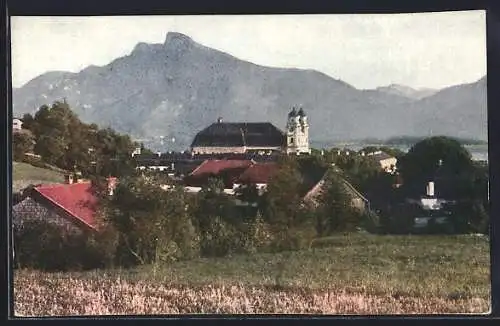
(443, 266)
(24, 174)
(355, 273)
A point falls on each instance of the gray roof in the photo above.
(230, 134)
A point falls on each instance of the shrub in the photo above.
(35, 161)
(219, 239)
(152, 225)
(296, 238)
(256, 235)
(187, 240)
(370, 222)
(47, 246)
(22, 142)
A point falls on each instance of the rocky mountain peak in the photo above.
(176, 88)
(176, 39)
(141, 47)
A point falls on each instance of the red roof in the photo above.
(217, 166)
(75, 200)
(259, 173)
(228, 170)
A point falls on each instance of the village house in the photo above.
(358, 201)
(226, 170)
(257, 174)
(71, 205)
(236, 173)
(181, 164)
(430, 207)
(386, 161)
(17, 124)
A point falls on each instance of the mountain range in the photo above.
(179, 87)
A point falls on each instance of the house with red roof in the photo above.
(227, 170)
(71, 205)
(258, 174)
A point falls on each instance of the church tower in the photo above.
(297, 132)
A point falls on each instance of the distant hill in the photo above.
(413, 140)
(177, 88)
(458, 111)
(407, 91)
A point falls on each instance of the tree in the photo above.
(57, 133)
(145, 151)
(212, 202)
(470, 216)
(442, 159)
(249, 194)
(289, 221)
(359, 170)
(63, 140)
(216, 221)
(112, 153)
(28, 122)
(336, 212)
(22, 142)
(445, 161)
(282, 198)
(369, 149)
(152, 225)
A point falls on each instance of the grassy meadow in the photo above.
(344, 274)
(24, 174)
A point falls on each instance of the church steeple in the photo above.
(297, 132)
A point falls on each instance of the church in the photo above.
(251, 137)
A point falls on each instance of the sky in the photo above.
(432, 50)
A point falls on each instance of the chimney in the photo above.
(430, 189)
(69, 179)
(111, 185)
(219, 120)
(78, 177)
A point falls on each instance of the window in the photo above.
(291, 140)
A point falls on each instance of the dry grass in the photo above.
(61, 296)
(353, 274)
